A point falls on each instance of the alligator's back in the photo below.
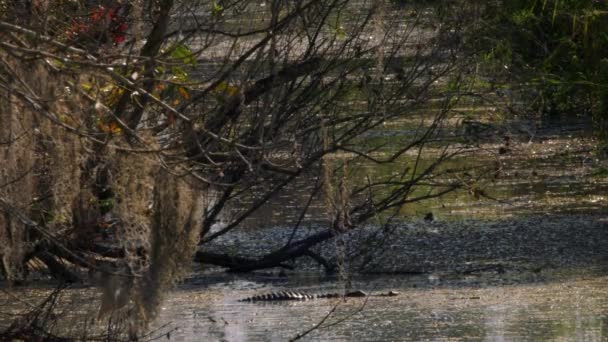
(282, 295)
(298, 295)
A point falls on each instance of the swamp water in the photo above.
(550, 283)
(540, 279)
(543, 307)
(558, 305)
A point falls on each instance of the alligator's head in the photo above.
(360, 293)
(357, 293)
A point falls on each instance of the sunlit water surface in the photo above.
(533, 307)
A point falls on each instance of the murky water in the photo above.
(565, 305)
(567, 301)
(535, 307)
(544, 172)
(554, 302)
(561, 296)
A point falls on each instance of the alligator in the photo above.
(298, 295)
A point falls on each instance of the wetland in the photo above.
(159, 163)
(525, 262)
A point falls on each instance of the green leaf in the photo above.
(217, 9)
(184, 54)
(179, 74)
(159, 70)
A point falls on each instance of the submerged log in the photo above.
(58, 269)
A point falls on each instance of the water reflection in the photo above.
(548, 173)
